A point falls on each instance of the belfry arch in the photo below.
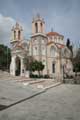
(14, 35)
(36, 27)
(19, 35)
(41, 27)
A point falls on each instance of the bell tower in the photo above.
(38, 25)
(17, 33)
(39, 40)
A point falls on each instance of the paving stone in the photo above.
(12, 91)
(58, 103)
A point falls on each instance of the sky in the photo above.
(61, 15)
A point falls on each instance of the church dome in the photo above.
(54, 34)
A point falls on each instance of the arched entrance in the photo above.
(18, 66)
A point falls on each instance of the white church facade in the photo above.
(48, 47)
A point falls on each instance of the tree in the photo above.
(5, 57)
(76, 61)
(68, 43)
(27, 62)
(70, 47)
(37, 66)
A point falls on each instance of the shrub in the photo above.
(34, 76)
(46, 76)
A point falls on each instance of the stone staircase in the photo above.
(6, 76)
(39, 83)
(35, 83)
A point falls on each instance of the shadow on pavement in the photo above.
(3, 107)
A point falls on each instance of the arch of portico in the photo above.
(17, 67)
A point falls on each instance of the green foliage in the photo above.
(69, 46)
(39, 76)
(5, 57)
(68, 43)
(33, 65)
(35, 76)
(36, 66)
(46, 76)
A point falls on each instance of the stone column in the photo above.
(58, 70)
(39, 26)
(12, 37)
(59, 66)
(16, 34)
(21, 35)
(44, 28)
(13, 66)
(22, 68)
(33, 28)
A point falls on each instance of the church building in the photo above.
(48, 47)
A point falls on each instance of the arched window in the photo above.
(14, 35)
(36, 27)
(52, 51)
(19, 32)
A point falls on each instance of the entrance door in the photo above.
(18, 66)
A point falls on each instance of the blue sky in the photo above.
(61, 15)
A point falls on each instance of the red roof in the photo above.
(60, 46)
(54, 34)
(57, 44)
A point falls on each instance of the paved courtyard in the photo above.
(12, 91)
(58, 103)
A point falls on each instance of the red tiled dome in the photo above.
(53, 34)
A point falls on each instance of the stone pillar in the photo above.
(44, 28)
(12, 37)
(39, 26)
(13, 66)
(33, 28)
(16, 34)
(21, 35)
(58, 69)
(22, 68)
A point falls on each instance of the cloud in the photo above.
(6, 24)
(66, 20)
(62, 15)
